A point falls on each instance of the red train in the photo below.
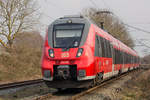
(79, 54)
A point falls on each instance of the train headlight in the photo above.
(51, 53)
(79, 53)
(82, 73)
(47, 73)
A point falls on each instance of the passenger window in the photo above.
(109, 48)
(102, 46)
(96, 46)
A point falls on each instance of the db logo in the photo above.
(64, 55)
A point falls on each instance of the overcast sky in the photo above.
(132, 12)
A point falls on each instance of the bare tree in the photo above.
(16, 16)
(111, 24)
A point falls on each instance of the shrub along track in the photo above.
(75, 96)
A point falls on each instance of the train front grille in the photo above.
(65, 72)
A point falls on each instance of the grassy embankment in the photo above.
(138, 88)
(23, 61)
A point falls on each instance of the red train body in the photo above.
(77, 53)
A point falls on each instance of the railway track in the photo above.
(86, 91)
(20, 84)
(103, 83)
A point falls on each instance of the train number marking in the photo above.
(64, 55)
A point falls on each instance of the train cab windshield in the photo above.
(67, 35)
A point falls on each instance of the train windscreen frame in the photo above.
(67, 35)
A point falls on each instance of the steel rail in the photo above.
(144, 64)
(19, 84)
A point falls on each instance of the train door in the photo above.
(106, 57)
(113, 59)
(98, 55)
(103, 46)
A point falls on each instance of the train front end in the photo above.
(66, 53)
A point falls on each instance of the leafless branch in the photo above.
(16, 16)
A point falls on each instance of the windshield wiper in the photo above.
(70, 44)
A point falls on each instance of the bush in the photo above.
(23, 62)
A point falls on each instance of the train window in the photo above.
(102, 46)
(124, 58)
(98, 50)
(128, 58)
(115, 51)
(123, 54)
(132, 59)
(96, 46)
(106, 48)
(135, 60)
(116, 56)
(67, 32)
(109, 48)
(113, 54)
(119, 57)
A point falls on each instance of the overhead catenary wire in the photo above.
(105, 4)
(143, 44)
(48, 16)
(54, 5)
(93, 3)
(59, 8)
(139, 29)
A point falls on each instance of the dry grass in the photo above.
(138, 88)
(22, 63)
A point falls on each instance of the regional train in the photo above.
(78, 54)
